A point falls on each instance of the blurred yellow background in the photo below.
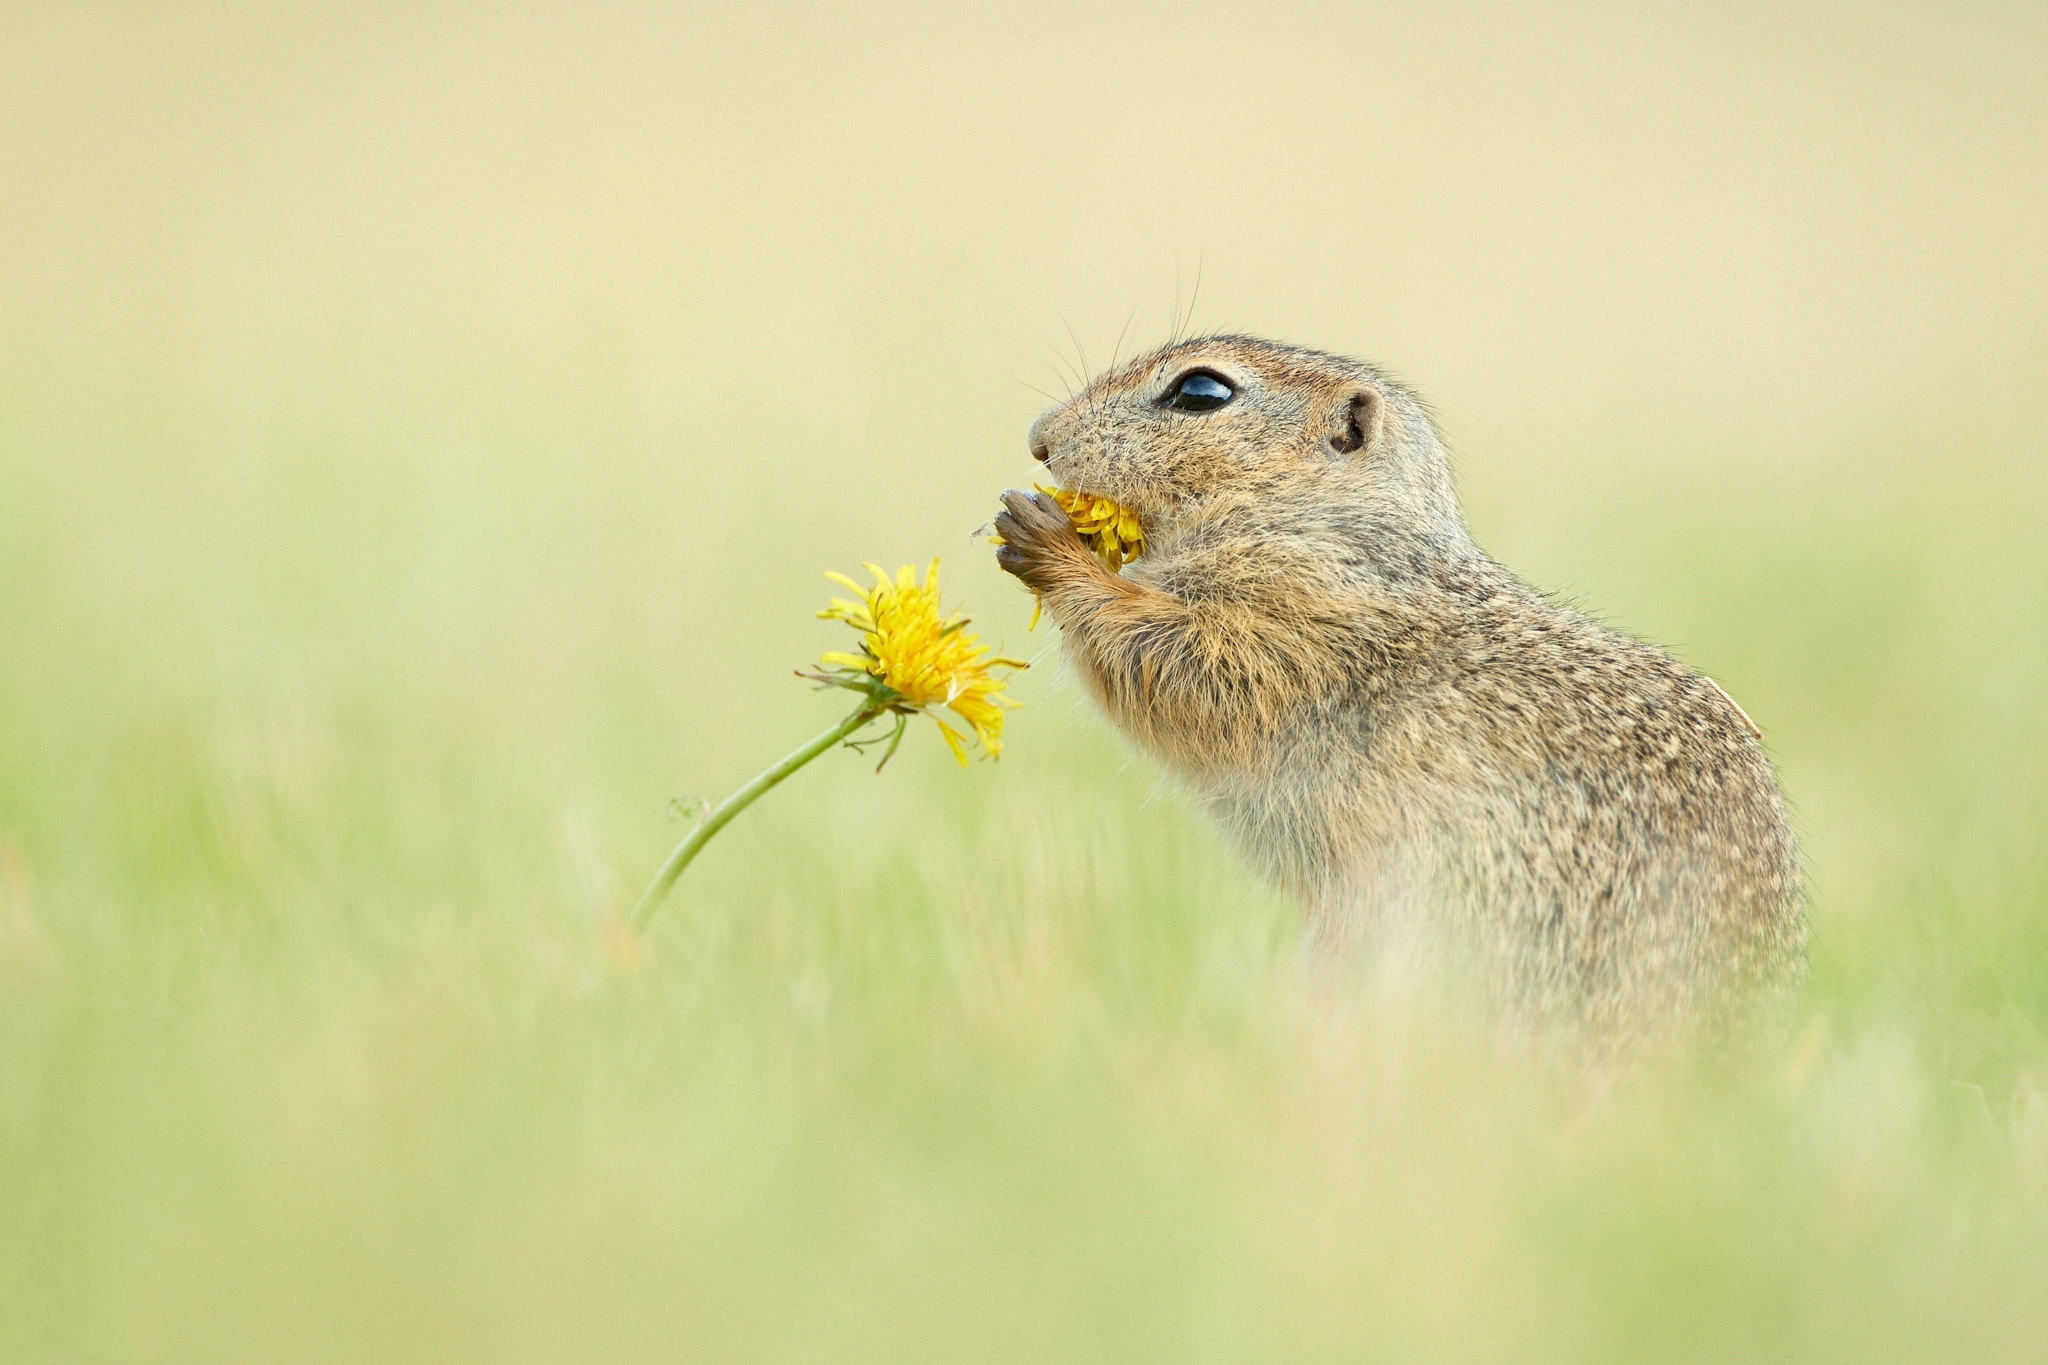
(423, 430)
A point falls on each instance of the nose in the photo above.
(1038, 440)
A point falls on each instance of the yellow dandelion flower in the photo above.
(912, 658)
(917, 658)
(1107, 526)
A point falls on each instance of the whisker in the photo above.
(1079, 349)
(1117, 349)
(1064, 376)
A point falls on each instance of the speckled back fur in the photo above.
(1423, 749)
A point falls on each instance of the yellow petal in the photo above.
(953, 741)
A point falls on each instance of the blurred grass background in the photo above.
(422, 430)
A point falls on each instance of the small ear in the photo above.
(1355, 421)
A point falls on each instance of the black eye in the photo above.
(1200, 392)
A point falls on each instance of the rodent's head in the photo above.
(1238, 419)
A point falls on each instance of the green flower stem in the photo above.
(737, 802)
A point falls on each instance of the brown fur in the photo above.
(1431, 755)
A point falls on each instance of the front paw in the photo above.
(1039, 540)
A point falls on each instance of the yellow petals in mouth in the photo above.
(914, 657)
(1107, 526)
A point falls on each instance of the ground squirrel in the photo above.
(1423, 749)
